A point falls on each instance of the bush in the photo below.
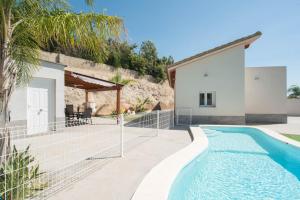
(18, 176)
(138, 64)
(159, 73)
(140, 106)
(114, 112)
(119, 80)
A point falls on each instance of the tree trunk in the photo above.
(7, 85)
(5, 146)
(7, 81)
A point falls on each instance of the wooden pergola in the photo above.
(92, 84)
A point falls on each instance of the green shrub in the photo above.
(119, 80)
(140, 106)
(159, 73)
(114, 112)
(138, 64)
(19, 176)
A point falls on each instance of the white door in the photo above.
(37, 117)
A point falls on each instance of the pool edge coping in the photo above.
(274, 134)
(169, 168)
(280, 137)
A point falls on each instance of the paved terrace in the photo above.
(292, 127)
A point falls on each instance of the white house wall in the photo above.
(225, 76)
(265, 92)
(293, 107)
(18, 105)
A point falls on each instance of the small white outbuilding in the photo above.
(41, 101)
(215, 87)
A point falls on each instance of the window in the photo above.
(202, 99)
(207, 99)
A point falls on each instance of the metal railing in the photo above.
(37, 166)
(153, 120)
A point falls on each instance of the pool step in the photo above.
(211, 132)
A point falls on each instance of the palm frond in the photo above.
(119, 80)
(88, 30)
(89, 2)
(294, 91)
(24, 50)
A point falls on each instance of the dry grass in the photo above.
(294, 137)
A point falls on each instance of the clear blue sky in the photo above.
(182, 28)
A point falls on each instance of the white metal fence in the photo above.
(152, 120)
(39, 165)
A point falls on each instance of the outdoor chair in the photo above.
(87, 115)
(69, 112)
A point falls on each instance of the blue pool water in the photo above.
(240, 163)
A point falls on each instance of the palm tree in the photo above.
(29, 25)
(119, 80)
(294, 92)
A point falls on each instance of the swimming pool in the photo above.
(240, 163)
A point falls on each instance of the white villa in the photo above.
(215, 87)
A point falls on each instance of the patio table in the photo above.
(78, 114)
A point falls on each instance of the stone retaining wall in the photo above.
(142, 87)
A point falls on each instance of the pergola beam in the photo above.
(92, 84)
(104, 89)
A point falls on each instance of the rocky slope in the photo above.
(142, 87)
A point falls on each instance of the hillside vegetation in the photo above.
(143, 59)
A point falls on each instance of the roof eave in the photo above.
(246, 43)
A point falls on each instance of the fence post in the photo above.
(157, 122)
(121, 135)
(173, 118)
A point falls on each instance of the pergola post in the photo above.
(93, 84)
(86, 98)
(118, 105)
